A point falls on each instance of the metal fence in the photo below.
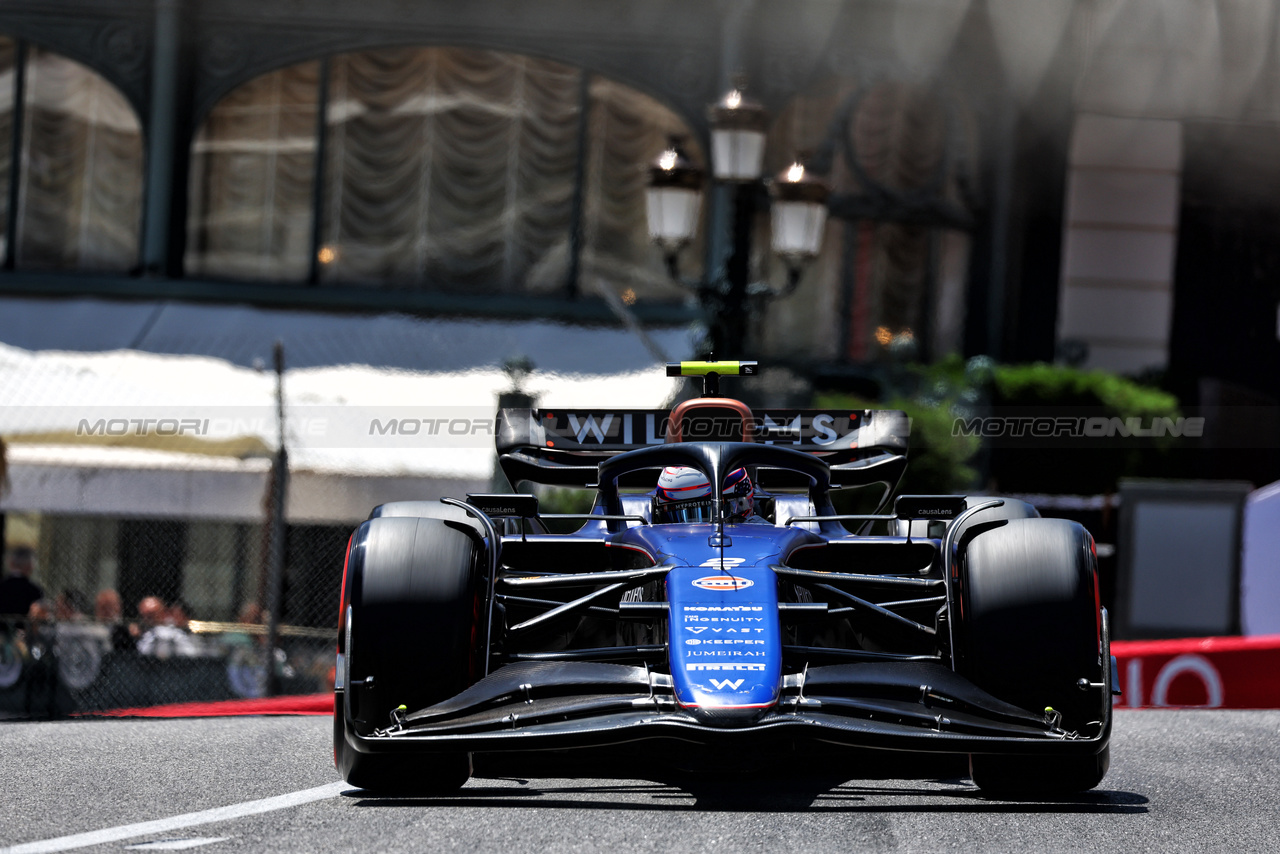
(148, 611)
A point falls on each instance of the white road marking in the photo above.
(178, 822)
(176, 844)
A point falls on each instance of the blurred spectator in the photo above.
(40, 613)
(107, 608)
(17, 591)
(39, 630)
(180, 615)
(247, 659)
(41, 670)
(109, 611)
(251, 614)
(70, 606)
(159, 638)
(248, 639)
(180, 618)
(151, 613)
(79, 643)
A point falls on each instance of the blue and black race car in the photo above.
(751, 614)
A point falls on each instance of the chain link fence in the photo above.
(173, 565)
(149, 611)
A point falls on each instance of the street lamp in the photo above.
(799, 216)
(673, 200)
(738, 128)
(797, 200)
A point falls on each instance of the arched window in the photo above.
(78, 168)
(448, 169)
(252, 177)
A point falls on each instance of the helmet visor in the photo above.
(702, 510)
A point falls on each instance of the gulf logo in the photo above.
(722, 582)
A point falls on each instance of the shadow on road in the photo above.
(836, 782)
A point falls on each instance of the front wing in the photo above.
(911, 706)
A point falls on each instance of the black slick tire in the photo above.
(411, 639)
(1029, 630)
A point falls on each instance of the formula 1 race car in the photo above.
(748, 615)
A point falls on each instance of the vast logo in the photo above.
(729, 684)
(722, 582)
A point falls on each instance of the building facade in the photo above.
(1085, 180)
(1089, 181)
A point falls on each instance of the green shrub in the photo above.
(939, 461)
(1076, 465)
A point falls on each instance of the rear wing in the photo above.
(564, 446)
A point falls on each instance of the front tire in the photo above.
(413, 597)
(1021, 777)
(1030, 630)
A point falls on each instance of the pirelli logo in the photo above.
(724, 667)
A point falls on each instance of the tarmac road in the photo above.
(1180, 781)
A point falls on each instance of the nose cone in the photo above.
(725, 707)
(725, 641)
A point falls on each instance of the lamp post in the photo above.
(797, 202)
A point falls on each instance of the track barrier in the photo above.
(1192, 673)
(1199, 673)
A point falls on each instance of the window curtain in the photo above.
(80, 193)
(627, 132)
(451, 169)
(8, 49)
(252, 174)
(447, 169)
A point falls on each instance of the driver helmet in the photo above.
(684, 495)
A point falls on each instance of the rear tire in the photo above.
(1030, 629)
(412, 617)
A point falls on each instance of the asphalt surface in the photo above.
(1179, 781)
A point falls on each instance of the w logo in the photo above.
(727, 684)
(582, 429)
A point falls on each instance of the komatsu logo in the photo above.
(723, 582)
(722, 607)
(760, 666)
